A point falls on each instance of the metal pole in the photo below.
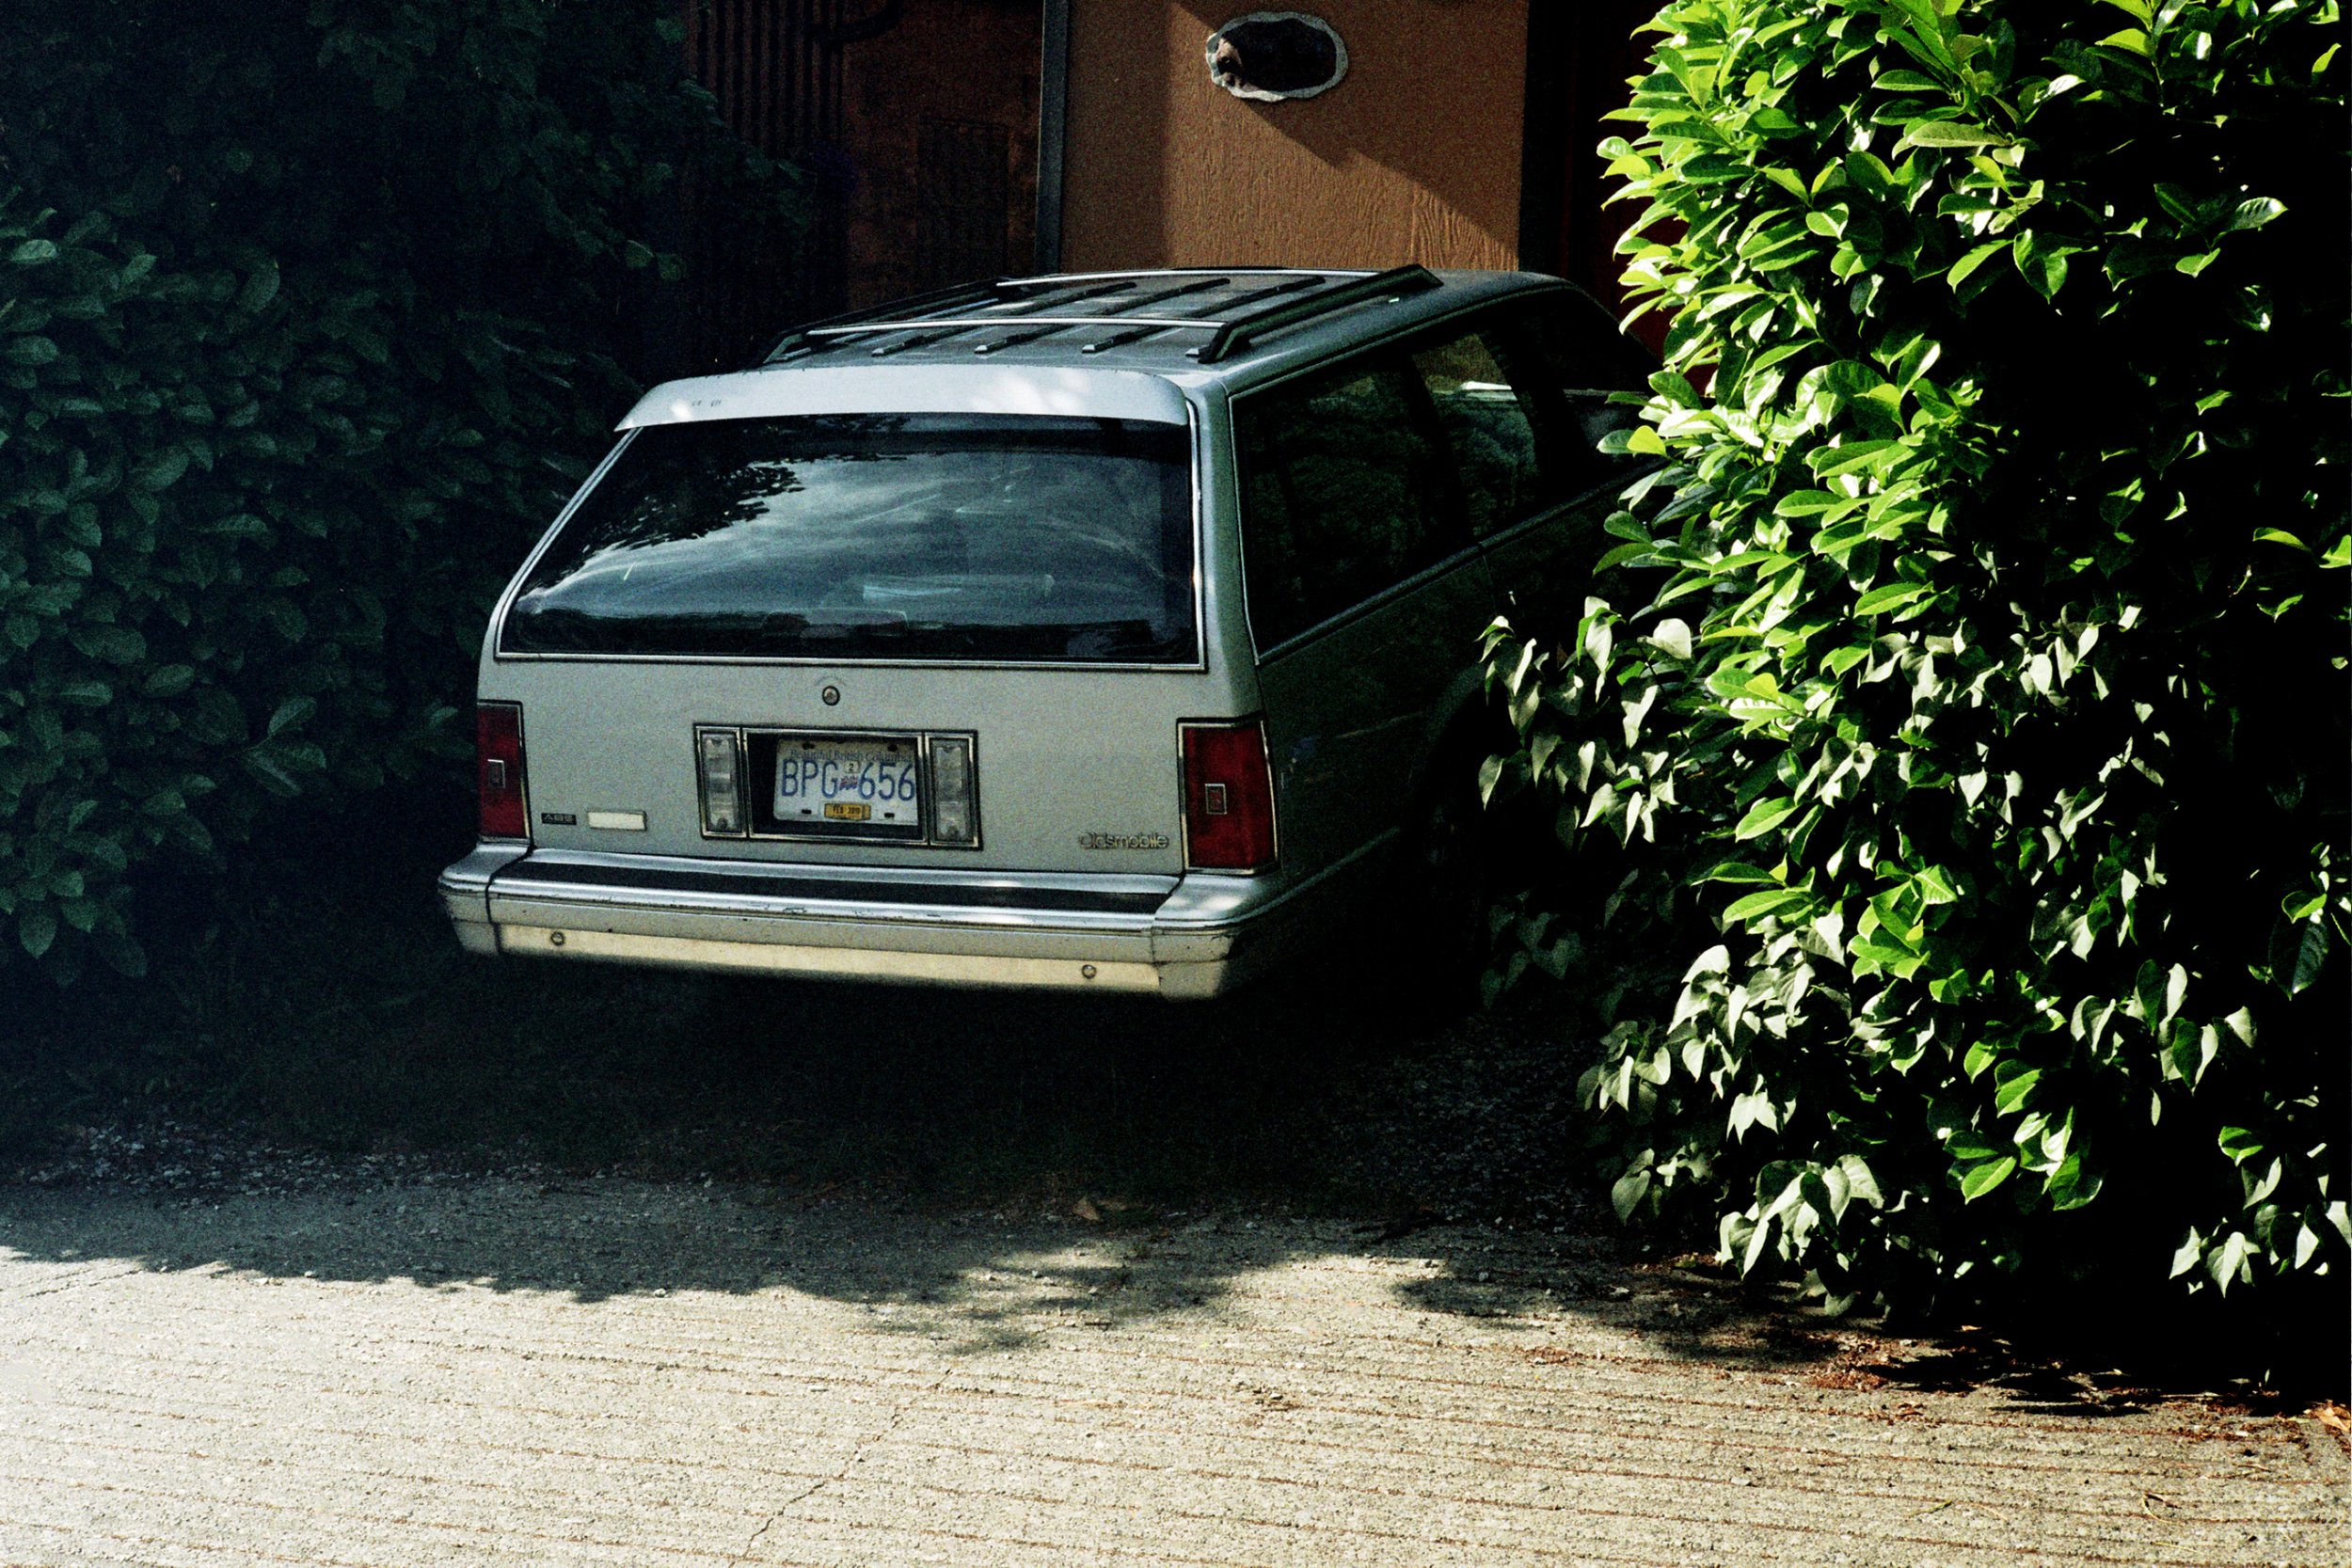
(1053, 131)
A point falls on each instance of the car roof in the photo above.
(1106, 343)
(1226, 321)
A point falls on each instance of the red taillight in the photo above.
(1229, 798)
(499, 754)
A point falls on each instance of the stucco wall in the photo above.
(1414, 157)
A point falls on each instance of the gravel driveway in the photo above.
(397, 1370)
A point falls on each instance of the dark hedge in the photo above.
(310, 314)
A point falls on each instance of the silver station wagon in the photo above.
(1114, 631)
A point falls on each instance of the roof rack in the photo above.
(957, 297)
(1024, 310)
(945, 312)
(1128, 334)
(1205, 272)
(1245, 330)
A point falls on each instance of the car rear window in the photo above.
(996, 538)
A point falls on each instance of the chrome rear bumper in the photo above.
(1188, 937)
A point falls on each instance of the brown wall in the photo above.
(1413, 157)
(970, 61)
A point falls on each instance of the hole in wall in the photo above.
(1271, 55)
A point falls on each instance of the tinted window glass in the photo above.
(1566, 351)
(877, 537)
(1487, 427)
(1342, 494)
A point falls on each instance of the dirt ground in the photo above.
(423, 1368)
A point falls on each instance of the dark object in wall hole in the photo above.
(1270, 56)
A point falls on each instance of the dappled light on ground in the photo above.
(602, 1368)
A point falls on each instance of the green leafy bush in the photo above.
(309, 315)
(1951, 772)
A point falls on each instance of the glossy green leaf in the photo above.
(1772, 901)
(2014, 1090)
(2311, 956)
(169, 680)
(1978, 1179)
(2229, 1263)
(1889, 597)
(36, 928)
(1950, 132)
(2239, 1145)
(1630, 1189)
(293, 711)
(261, 287)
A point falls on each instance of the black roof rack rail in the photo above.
(1205, 272)
(1139, 302)
(956, 296)
(1292, 282)
(1239, 332)
(1202, 283)
(959, 323)
(931, 330)
(1132, 301)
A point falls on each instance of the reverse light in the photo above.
(498, 757)
(1229, 798)
(722, 756)
(955, 819)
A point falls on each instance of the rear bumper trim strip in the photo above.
(1198, 936)
(560, 878)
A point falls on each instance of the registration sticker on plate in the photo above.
(871, 780)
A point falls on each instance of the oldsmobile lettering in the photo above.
(1123, 841)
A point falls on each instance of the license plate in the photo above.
(873, 780)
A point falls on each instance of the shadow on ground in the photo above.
(977, 1282)
(325, 1087)
(320, 1002)
(977, 1279)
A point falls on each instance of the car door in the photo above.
(1522, 394)
(1365, 594)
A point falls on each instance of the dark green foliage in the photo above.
(1962, 750)
(310, 316)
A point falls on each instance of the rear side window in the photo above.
(885, 537)
(1489, 427)
(1566, 353)
(1343, 494)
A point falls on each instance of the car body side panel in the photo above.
(1350, 710)
(1549, 560)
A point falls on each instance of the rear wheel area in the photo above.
(1433, 938)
